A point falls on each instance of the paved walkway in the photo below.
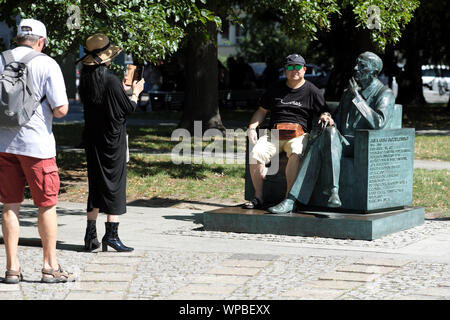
(176, 259)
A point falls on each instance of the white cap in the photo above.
(33, 27)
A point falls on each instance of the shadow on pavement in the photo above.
(194, 217)
(165, 203)
(36, 242)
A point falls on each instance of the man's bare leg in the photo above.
(48, 230)
(258, 173)
(10, 229)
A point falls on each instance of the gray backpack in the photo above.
(17, 100)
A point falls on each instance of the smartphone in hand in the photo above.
(133, 73)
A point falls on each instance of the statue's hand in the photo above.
(353, 87)
(325, 118)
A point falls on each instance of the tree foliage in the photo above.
(392, 16)
(149, 29)
(265, 40)
(307, 17)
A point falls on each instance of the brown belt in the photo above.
(287, 131)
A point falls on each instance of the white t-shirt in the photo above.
(35, 138)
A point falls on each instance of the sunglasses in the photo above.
(296, 67)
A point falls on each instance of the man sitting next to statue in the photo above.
(366, 104)
(292, 105)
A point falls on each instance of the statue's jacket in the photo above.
(373, 112)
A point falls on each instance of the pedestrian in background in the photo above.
(106, 106)
(27, 154)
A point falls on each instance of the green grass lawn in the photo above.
(157, 176)
(153, 176)
(432, 148)
(431, 190)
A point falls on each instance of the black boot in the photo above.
(90, 239)
(111, 238)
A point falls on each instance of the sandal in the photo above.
(57, 276)
(254, 204)
(13, 277)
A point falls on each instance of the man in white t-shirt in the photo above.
(27, 154)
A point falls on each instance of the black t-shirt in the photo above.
(293, 105)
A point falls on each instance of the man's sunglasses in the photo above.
(296, 67)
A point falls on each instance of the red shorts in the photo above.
(41, 174)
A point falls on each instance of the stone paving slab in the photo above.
(414, 297)
(245, 263)
(107, 277)
(10, 296)
(348, 276)
(437, 292)
(9, 287)
(234, 271)
(444, 284)
(100, 286)
(209, 289)
(116, 260)
(193, 296)
(79, 295)
(371, 269)
(313, 294)
(382, 262)
(221, 279)
(110, 268)
(253, 256)
(332, 284)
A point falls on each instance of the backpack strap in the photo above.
(8, 56)
(30, 56)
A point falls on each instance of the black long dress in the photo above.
(105, 146)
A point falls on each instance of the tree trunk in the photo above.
(201, 92)
(410, 89)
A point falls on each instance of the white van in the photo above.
(436, 79)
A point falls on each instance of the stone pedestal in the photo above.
(375, 187)
(314, 223)
(379, 176)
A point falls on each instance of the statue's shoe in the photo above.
(334, 201)
(285, 206)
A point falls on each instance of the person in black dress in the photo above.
(106, 106)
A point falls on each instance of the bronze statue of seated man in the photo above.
(366, 104)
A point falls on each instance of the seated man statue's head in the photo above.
(368, 67)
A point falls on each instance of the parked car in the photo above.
(436, 79)
(258, 68)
